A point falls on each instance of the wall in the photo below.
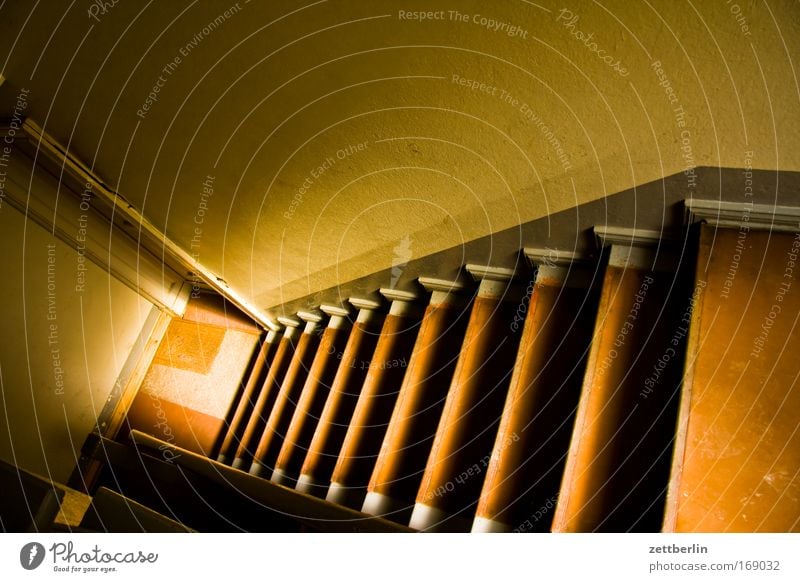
(343, 137)
(62, 346)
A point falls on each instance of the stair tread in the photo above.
(311, 510)
(113, 512)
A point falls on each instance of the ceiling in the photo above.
(337, 132)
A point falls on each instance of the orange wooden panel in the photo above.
(738, 463)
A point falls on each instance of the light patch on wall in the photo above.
(190, 346)
(210, 392)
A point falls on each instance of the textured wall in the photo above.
(321, 124)
(61, 349)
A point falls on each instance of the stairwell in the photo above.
(509, 402)
(550, 397)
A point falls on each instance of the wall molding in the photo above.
(141, 246)
(725, 214)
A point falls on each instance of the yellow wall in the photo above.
(334, 130)
(61, 350)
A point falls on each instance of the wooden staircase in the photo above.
(502, 400)
(548, 397)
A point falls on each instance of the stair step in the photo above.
(210, 496)
(112, 512)
(311, 511)
(29, 503)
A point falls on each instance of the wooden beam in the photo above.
(114, 513)
(122, 395)
(308, 510)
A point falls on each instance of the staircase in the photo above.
(503, 400)
(639, 379)
(568, 394)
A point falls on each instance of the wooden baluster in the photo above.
(271, 438)
(460, 454)
(401, 461)
(269, 391)
(378, 396)
(311, 398)
(341, 399)
(527, 462)
(618, 462)
(249, 397)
